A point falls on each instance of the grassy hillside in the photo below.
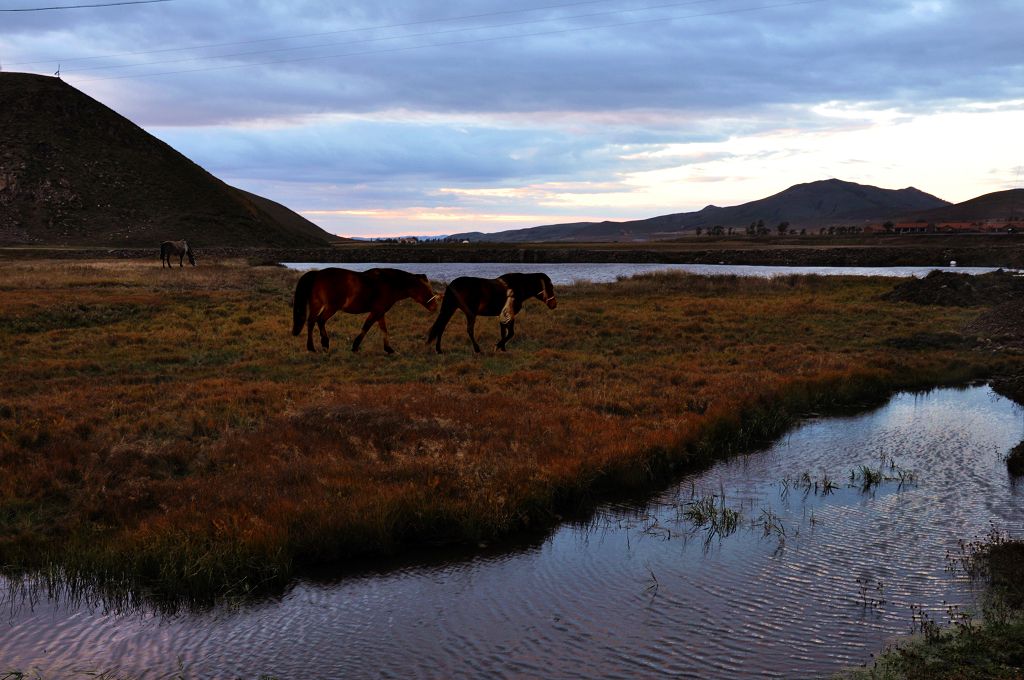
(74, 172)
(1005, 206)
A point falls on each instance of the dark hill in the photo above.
(74, 172)
(1000, 205)
(811, 205)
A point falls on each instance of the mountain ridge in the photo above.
(1007, 205)
(807, 205)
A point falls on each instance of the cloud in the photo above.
(596, 108)
(365, 150)
(594, 57)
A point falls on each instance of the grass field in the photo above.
(162, 428)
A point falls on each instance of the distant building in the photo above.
(940, 227)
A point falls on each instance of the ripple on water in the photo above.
(635, 591)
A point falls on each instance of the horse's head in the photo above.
(547, 292)
(424, 294)
(191, 256)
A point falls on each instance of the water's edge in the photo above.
(506, 612)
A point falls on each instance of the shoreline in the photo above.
(981, 251)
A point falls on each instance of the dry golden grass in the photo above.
(164, 426)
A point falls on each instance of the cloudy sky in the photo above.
(413, 117)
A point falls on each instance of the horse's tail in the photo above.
(449, 304)
(303, 289)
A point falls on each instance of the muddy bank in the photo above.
(999, 325)
(998, 328)
(962, 290)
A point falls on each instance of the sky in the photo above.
(411, 117)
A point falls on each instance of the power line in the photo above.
(399, 37)
(312, 35)
(461, 42)
(104, 4)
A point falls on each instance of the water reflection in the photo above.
(805, 580)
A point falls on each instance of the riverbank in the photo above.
(968, 250)
(162, 431)
(962, 647)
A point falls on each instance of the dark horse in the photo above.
(319, 294)
(179, 248)
(502, 297)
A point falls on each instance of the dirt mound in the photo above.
(959, 290)
(1002, 324)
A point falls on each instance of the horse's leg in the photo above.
(384, 329)
(325, 341)
(310, 322)
(370, 320)
(501, 338)
(181, 260)
(470, 323)
(507, 331)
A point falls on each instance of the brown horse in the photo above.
(502, 297)
(179, 248)
(319, 294)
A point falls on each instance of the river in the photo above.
(808, 581)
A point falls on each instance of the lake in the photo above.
(813, 576)
(604, 272)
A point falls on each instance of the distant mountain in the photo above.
(812, 205)
(1000, 205)
(74, 172)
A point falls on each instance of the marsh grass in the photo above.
(871, 593)
(869, 478)
(866, 477)
(770, 523)
(174, 435)
(710, 513)
(807, 484)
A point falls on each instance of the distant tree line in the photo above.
(784, 228)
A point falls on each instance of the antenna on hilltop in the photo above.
(57, 72)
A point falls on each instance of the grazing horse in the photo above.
(179, 248)
(319, 294)
(502, 297)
